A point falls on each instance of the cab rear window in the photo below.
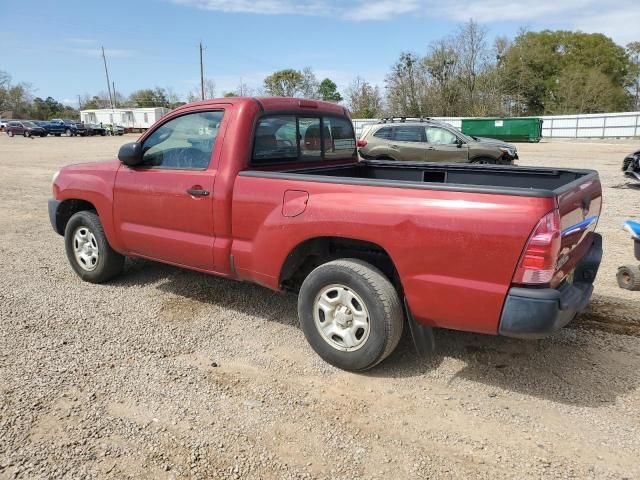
(289, 138)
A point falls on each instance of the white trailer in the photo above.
(132, 119)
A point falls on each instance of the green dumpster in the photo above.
(518, 129)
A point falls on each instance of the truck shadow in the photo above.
(577, 366)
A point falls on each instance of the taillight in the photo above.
(361, 143)
(538, 262)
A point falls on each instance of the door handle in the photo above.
(197, 191)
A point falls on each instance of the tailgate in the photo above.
(579, 205)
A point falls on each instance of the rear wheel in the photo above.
(350, 314)
(629, 277)
(68, 132)
(88, 250)
(10, 133)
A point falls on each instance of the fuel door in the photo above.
(294, 202)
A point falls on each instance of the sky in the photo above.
(55, 46)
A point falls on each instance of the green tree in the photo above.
(328, 91)
(150, 98)
(292, 83)
(538, 65)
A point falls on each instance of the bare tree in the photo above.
(209, 91)
(473, 58)
(364, 99)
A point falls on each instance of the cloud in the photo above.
(616, 20)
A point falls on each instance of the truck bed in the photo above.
(507, 180)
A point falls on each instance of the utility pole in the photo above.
(106, 71)
(115, 98)
(79, 103)
(201, 74)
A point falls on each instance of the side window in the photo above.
(440, 136)
(384, 132)
(408, 133)
(339, 139)
(185, 142)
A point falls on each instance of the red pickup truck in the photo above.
(270, 190)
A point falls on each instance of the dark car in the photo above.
(26, 128)
(631, 165)
(59, 127)
(95, 129)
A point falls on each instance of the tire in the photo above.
(350, 284)
(68, 133)
(483, 161)
(629, 277)
(10, 133)
(57, 134)
(108, 263)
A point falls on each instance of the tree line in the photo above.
(463, 74)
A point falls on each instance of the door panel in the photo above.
(442, 146)
(163, 209)
(447, 153)
(408, 142)
(158, 218)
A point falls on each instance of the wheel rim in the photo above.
(85, 249)
(341, 317)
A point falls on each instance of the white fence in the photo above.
(596, 125)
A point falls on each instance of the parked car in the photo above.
(369, 246)
(430, 141)
(59, 127)
(95, 129)
(114, 129)
(3, 124)
(26, 128)
(631, 166)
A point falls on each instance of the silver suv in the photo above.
(430, 141)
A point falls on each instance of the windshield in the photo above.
(29, 124)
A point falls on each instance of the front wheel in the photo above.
(350, 314)
(68, 132)
(88, 250)
(27, 134)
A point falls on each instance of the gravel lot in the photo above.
(166, 373)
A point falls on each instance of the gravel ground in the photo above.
(166, 373)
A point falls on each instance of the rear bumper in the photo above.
(537, 312)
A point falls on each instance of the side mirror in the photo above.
(131, 154)
(459, 143)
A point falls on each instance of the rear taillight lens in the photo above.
(361, 143)
(538, 262)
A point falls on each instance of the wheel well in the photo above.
(67, 209)
(313, 253)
